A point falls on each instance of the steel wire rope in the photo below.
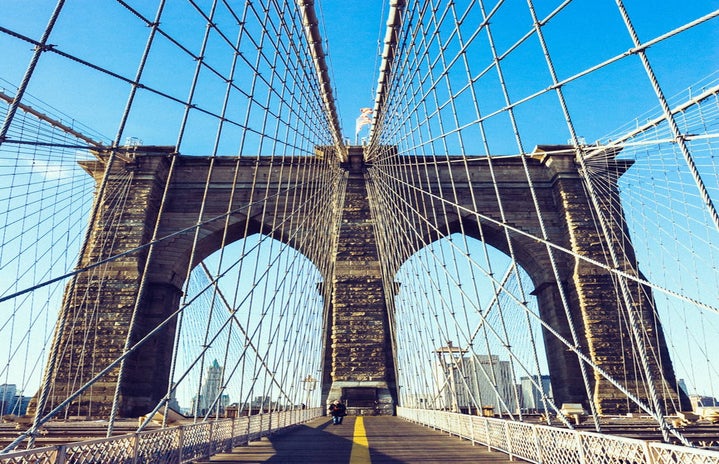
(678, 135)
(433, 36)
(585, 359)
(115, 201)
(241, 149)
(589, 70)
(579, 354)
(265, 272)
(625, 292)
(99, 375)
(285, 205)
(111, 243)
(237, 322)
(255, 172)
(446, 337)
(561, 339)
(12, 317)
(583, 73)
(669, 219)
(219, 261)
(115, 197)
(40, 47)
(264, 304)
(462, 51)
(443, 135)
(123, 254)
(389, 285)
(171, 316)
(621, 322)
(31, 432)
(535, 202)
(266, 366)
(402, 245)
(180, 137)
(488, 376)
(256, 332)
(49, 371)
(220, 125)
(213, 283)
(282, 287)
(596, 263)
(450, 100)
(685, 232)
(136, 82)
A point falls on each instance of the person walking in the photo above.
(338, 411)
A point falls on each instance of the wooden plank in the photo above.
(391, 441)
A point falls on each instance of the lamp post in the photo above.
(309, 383)
(449, 356)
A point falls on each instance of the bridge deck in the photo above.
(391, 441)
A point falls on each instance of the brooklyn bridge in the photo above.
(511, 236)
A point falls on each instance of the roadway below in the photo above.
(361, 440)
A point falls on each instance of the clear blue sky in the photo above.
(102, 32)
(353, 30)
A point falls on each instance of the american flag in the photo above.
(364, 119)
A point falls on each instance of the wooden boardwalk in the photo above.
(390, 441)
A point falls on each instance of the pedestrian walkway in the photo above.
(361, 440)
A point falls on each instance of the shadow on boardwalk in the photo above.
(391, 441)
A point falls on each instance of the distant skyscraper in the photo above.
(8, 393)
(531, 396)
(473, 381)
(173, 403)
(210, 391)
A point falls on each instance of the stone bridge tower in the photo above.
(359, 355)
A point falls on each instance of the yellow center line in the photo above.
(360, 445)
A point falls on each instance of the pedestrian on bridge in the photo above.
(338, 411)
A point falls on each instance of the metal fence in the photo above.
(553, 445)
(172, 445)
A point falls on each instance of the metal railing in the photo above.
(173, 445)
(550, 445)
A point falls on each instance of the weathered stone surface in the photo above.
(362, 355)
(98, 305)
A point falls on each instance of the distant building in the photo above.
(11, 402)
(418, 401)
(8, 393)
(261, 402)
(530, 397)
(683, 387)
(21, 405)
(467, 383)
(699, 401)
(211, 390)
(173, 403)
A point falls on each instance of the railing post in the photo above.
(180, 442)
(232, 435)
(135, 447)
(535, 432)
(582, 456)
(60, 455)
(489, 434)
(210, 439)
(471, 429)
(508, 441)
(649, 459)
